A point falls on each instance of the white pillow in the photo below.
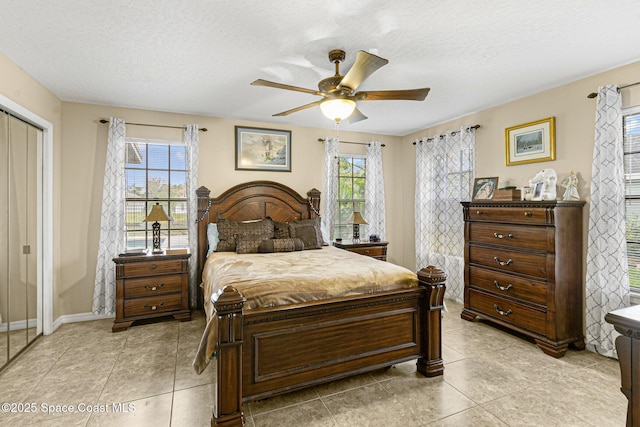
(213, 237)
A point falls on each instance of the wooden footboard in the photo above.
(266, 352)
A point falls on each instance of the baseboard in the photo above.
(79, 317)
(18, 325)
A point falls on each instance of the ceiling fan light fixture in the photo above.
(337, 108)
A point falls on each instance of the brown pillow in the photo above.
(227, 231)
(249, 243)
(280, 245)
(307, 230)
(281, 230)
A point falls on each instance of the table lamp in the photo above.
(156, 214)
(356, 219)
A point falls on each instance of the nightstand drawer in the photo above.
(153, 267)
(153, 285)
(375, 251)
(151, 305)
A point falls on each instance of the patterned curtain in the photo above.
(191, 141)
(607, 280)
(374, 191)
(330, 196)
(112, 225)
(444, 177)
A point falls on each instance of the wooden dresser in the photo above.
(523, 269)
(151, 286)
(376, 250)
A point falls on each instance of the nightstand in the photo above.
(150, 286)
(376, 250)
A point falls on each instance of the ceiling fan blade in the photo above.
(356, 116)
(267, 83)
(366, 64)
(390, 95)
(294, 110)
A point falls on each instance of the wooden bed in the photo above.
(270, 351)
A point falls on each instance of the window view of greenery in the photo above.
(631, 129)
(351, 179)
(156, 173)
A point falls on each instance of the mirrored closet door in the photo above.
(19, 189)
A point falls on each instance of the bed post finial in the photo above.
(433, 279)
(313, 196)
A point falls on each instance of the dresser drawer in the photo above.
(508, 285)
(151, 305)
(152, 267)
(525, 215)
(153, 285)
(522, 236)
(508, 311)
(374, 251)
(515, 262)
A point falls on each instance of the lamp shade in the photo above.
(337, 108)
(356, 218)
(157, 214)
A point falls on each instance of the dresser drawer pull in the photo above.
(502, 236)
(366, 251)
(507, 262)
(154, 288)
(500, 312)
(527, 213)
(502, 288)
(154, 307)
(478, 212)
(153, 266)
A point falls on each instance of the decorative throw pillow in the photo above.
(281, 230)
(248, 243)
(280, 245)
(228, 229)
(307, 230)
(212, 237)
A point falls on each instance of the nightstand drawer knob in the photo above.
(502, 288)
(154, 307)
(527, 213)
(153, 266)
(154, 288)
(366, 251)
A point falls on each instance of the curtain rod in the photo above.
(349, 142)
(593, 94)
(452, 133)
(155, 126)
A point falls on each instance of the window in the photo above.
(351, 179)
(631, 138)
(156, 172)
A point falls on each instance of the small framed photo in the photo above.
(483, 188)
(260, 149)
(531, 142)
(537, 190)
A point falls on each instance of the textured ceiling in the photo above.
(199, 56)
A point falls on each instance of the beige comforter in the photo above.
(268, 280)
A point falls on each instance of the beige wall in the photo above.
(575, 118)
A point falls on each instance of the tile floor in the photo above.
(491, 378)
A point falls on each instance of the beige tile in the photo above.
(309, 414)
(277, 402)
(185, 375)
(476, 417)
(153, 411)
(193, 406)
(345, 384)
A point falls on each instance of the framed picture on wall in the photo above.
(483, 188)
(531, 142)
(260, 149)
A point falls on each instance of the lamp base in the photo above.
(356, 233)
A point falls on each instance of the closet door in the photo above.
(4, 238)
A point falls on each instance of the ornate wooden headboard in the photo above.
(248, 201)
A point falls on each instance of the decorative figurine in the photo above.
(571, 185)
(544, 185)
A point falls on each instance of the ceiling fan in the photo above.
(339, 92)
